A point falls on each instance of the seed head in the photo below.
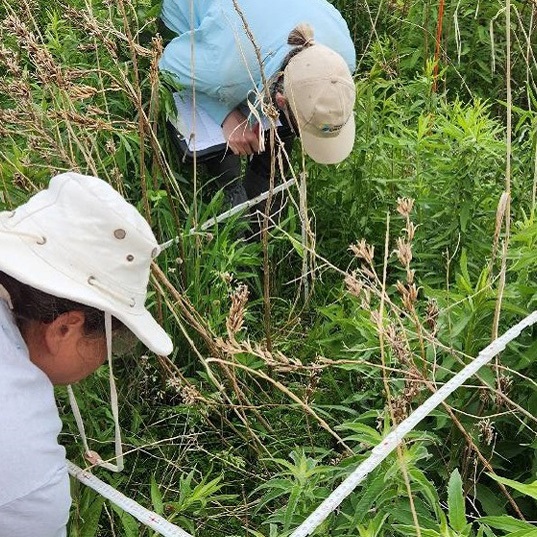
(235, 319)
(486, 431)
(410, 230)
(354, 285)
(404, 251)
(364, 251)
(409, 294)
(404, 206)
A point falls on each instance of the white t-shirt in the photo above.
(34, 484)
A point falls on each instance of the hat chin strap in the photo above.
(4, 295)
(39, 239)
(92, 456)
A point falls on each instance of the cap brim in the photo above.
(330, 150)
(36, 272)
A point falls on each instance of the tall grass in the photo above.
(272, 394)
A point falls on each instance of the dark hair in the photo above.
(299, 38)
(31, 304)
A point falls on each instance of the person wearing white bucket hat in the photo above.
(74, 268)
(307, 57)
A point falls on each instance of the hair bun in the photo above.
(301, 36)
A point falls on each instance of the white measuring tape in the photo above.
(142, 514)
(231, 212)
(378, 454)
(394, 438)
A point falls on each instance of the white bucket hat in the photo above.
(79, 239)
(320, 90)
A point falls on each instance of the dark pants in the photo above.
(226, 167)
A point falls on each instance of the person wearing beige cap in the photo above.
(74, 269)
(307, 59)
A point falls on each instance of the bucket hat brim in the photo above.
(79, 239)
(22, 259)
(16, 253)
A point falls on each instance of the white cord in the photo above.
(92, 456)
(245, 205)
(113, 398)
(234, 210)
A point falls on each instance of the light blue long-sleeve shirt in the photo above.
(214, 55)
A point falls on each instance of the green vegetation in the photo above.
(296, 355)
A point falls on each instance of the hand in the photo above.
(242, 139)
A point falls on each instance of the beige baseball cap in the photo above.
(320, 90)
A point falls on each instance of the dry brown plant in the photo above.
(235, 318)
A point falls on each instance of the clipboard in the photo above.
(195, 131)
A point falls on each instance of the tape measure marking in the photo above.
(145, 516)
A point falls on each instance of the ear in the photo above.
(281, 100)
(65, 328)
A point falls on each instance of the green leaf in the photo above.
(465, 214)
(156, 496)
(363, 433)
(129, 524)
(91, 517)
(487, 532)
(464, 270)
(456, 510)
(523, 533)
(527, 489)
(368, 498)
(491, 503)
(407, 529)
(429, 492)
(506, 523)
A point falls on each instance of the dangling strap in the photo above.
(92, 456)
(79, 421)
(113, 395)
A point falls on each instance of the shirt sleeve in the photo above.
(182, 15)
(34, 485)
(213, 61)
(194, 71)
